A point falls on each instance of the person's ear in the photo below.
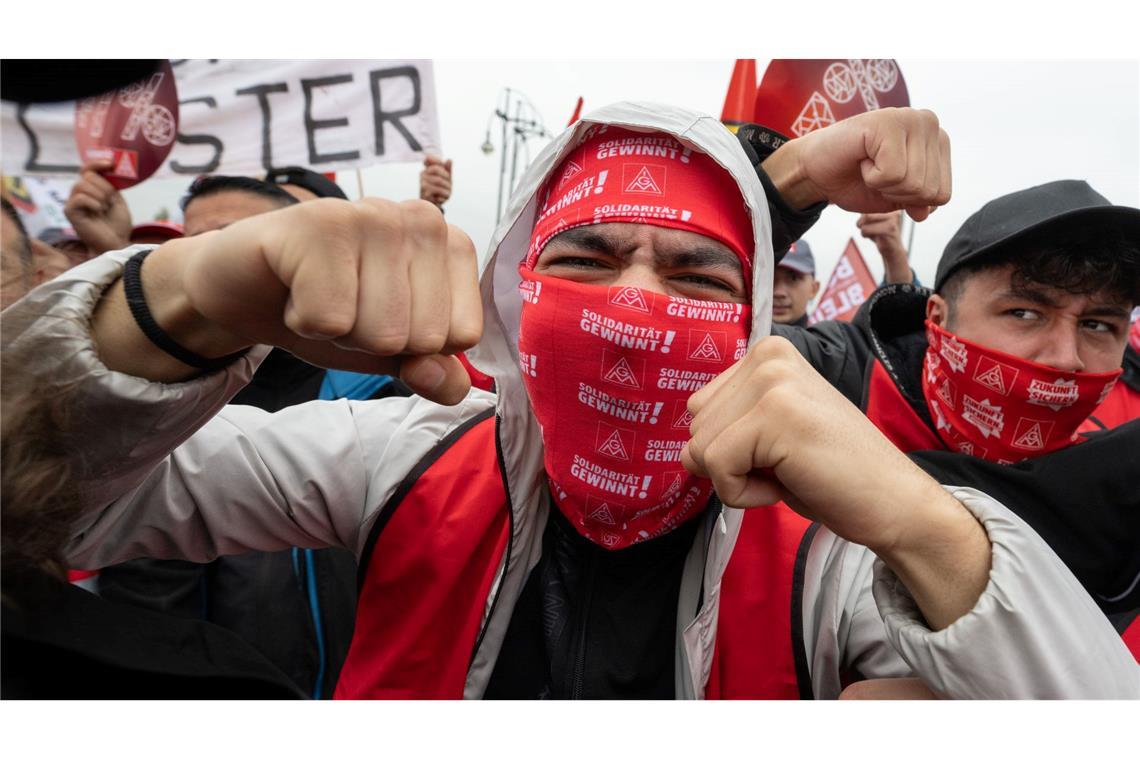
(938, 310)
(814, 288)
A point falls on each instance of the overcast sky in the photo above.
(1011, 124)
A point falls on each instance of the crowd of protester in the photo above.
(306, 451)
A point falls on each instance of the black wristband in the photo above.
(132, 287)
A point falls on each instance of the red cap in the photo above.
(157, 230)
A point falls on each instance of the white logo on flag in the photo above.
(816, 114)
(126, 165)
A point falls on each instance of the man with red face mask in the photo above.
(562, 537)
(1017, 345)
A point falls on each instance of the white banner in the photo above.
(246, 117)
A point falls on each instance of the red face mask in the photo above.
(1000, 407)
(609, 371)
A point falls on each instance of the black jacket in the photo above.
(1084, 500)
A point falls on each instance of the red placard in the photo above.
(800, 95)
(850, 284)
(133, 126)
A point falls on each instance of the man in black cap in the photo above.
(795, 285)
(1020, 339)
(305, 184)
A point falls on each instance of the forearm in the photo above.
(939, 552)
(896, 268)
(1034, 633)
(786, 171)
(123, 346)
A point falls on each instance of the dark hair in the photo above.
(220, 183)
(1077, 259)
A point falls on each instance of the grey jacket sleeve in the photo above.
(1033, 634)
(1044, 637)
(238, 479)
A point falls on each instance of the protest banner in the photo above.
(39, 202)
(797, 96)
(249, 116)
(847, 288)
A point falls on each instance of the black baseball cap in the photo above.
(799, 258)
(316, 183)
(1014, 217)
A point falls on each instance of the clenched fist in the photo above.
(369, 286)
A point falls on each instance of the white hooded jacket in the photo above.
(171, 473)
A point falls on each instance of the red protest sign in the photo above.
(133, 126)
(800, 95)
(850, 284)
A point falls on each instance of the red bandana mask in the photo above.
(1000, 407)
(609, 371)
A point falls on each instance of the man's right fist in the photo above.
(369, 286)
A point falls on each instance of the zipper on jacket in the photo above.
(577, 675)
(510, 541)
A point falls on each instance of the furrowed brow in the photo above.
(1029, 294)
(586, 239)
(704, 257)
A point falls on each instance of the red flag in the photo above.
(850, 284)
(577, 112)
(800, 95)
(134, 127)
(741, 97)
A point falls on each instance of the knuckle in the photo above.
(388, 341)
(427, 341)
(465, 335)
(323, 323)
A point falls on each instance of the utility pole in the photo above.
(516, 128)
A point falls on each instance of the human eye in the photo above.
(1099, 326)
(705, 281)
(574, 262)
(1023, 314)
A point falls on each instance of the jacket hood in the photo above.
(497, 352)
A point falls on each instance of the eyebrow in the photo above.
(701, 256)
(704, 256)
(1029, 294)
(1042, 298)
(587, 239)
